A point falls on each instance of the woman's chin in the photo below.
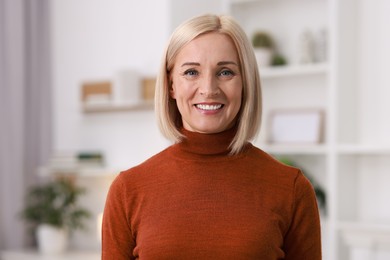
(208, 129)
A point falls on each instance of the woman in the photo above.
(212, 194)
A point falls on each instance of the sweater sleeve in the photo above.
(117, 239)
(303, 239)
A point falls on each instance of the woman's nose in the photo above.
(209, 87)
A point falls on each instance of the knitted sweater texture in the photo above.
(195, 201)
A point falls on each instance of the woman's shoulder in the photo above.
(265, 160)
(265, 157)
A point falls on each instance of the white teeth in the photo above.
(208, 107)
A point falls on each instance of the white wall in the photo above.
(93, 39)
(181, 10)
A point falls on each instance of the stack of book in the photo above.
(90, 159)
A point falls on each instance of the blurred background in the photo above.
(76, 102)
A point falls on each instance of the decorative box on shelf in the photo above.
(127, 91)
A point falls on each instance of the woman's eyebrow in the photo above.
(190, 64)
(221, 63)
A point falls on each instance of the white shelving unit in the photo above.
(361, 126)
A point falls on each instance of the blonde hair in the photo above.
(249, 116)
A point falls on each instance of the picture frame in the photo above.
(296, 126)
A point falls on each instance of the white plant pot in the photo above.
(263, 56)
(51, 240)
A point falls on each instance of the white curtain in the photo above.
(25, 110)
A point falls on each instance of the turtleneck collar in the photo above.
(206, 144)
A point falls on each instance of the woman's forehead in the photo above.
(213, 47)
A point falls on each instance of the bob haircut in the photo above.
(249, 115)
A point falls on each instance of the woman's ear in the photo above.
(171, 89)
(172, 94)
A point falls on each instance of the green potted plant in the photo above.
(263, 45)
(53, 211)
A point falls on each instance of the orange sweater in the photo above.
(193, 201)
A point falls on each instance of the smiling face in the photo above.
(207, 83)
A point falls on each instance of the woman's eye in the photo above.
(226, 73)
(191, 72)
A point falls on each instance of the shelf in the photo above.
(293, 70)
(355, 149)
(364, 226)
(315, 149)
(34, 255)
(114, 107)
(370, 235)
(244, 1)
(77, 171)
